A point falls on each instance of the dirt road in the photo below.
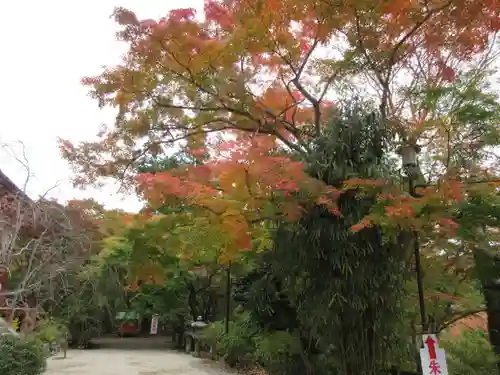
(140, 360)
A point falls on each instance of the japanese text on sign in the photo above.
(154, 325)
(433, 358)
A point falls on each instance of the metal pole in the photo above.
(228, 297)
(418, 271)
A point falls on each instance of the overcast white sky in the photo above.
(47, 46)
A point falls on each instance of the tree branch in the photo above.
(459, 317)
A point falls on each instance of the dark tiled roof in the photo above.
(46, 210)
(11, 187)
(7, 183)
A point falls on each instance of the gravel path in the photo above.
(134, 359)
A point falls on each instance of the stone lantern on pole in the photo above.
(409, 155)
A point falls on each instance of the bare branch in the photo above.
(39, 243)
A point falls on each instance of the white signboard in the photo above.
(433, 358)
(154, 325)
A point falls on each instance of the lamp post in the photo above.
(409, 155)
(228, 297)
(203, 273)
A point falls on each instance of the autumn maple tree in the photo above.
(263, 67)
(248, 87)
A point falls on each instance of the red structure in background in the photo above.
(128, 329)
(128, 323)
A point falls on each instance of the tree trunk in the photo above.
(488, 272)
(193, 301)
(305, 360)
(492, 298)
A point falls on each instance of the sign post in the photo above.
(433, 358)
(154, 325)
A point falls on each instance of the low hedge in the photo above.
(21, 357)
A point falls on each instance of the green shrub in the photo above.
(213, 332)
(279, 353)
(49, 330)
(237, 347)
(83, 329)
(470, 354)
(21, 357)
(245, 346)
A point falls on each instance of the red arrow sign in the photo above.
(431, 347)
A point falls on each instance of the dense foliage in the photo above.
(21, 357)
(270, 202)
(470, 353)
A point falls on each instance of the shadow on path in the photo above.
(132, 343)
